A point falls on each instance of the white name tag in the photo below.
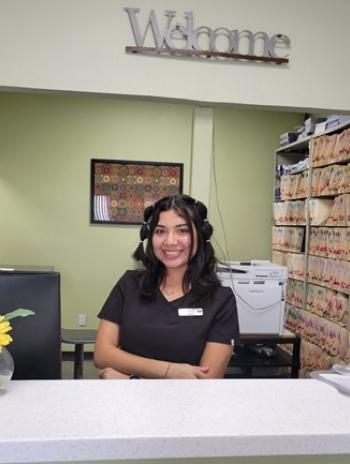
(190, 311)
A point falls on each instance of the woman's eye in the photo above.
(159, 231)
(183, 231)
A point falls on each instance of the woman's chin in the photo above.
(175, 263)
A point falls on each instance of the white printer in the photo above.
(259, 288)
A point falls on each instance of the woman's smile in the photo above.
(172, 252)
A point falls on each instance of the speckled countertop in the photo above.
(77, 420)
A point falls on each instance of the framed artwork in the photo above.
(121, 190)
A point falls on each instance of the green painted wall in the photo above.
(244, 144)
(46, 143)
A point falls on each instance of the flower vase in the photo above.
(6, 368)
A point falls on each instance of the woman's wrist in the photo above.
(166, 374)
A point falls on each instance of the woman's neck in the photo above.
(171, 286)
(174, 277)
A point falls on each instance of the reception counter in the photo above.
(96, 420)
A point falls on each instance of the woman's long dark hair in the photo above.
(200, 275)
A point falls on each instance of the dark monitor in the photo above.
(36, 346)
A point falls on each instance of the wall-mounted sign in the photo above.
(185, 39)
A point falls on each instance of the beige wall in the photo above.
(46, 143)
(80, 46)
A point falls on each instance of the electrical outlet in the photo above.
(82, 320)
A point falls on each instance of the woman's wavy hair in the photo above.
(200, 275)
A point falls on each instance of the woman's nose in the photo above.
(171, 238)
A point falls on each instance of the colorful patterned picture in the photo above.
(121, 190)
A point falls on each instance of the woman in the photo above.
(172, 319)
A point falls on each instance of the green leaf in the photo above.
(18, 313)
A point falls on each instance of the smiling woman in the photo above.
(171, 319)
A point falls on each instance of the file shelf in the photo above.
(317, 306)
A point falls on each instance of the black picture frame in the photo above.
(120, 190)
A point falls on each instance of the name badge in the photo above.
(190, 311)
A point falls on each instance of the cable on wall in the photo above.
(225, 253)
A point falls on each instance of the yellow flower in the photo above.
(5, 327)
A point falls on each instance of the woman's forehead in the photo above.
(171, 217)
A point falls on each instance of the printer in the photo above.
(259, 288)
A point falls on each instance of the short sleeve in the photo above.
(225, 328)
(112, 309)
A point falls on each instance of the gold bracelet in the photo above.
(167, 370)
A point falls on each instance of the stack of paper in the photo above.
(338, 377)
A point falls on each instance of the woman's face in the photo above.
(171, 240)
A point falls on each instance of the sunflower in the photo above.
(5, 327)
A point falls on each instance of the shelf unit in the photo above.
(311, 236)
(246, 363)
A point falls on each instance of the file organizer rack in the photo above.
(318, 288)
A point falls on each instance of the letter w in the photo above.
(151, 23)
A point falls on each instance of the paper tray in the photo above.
(340, 382)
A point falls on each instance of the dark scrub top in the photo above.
(153, 328)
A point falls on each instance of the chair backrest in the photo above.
(36, 346)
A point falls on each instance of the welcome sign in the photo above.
(203, 40)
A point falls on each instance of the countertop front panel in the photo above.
(71, 420)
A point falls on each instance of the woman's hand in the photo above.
(175, 371)
(187, 371)
(108, 373)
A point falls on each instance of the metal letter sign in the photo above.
(190, 37)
